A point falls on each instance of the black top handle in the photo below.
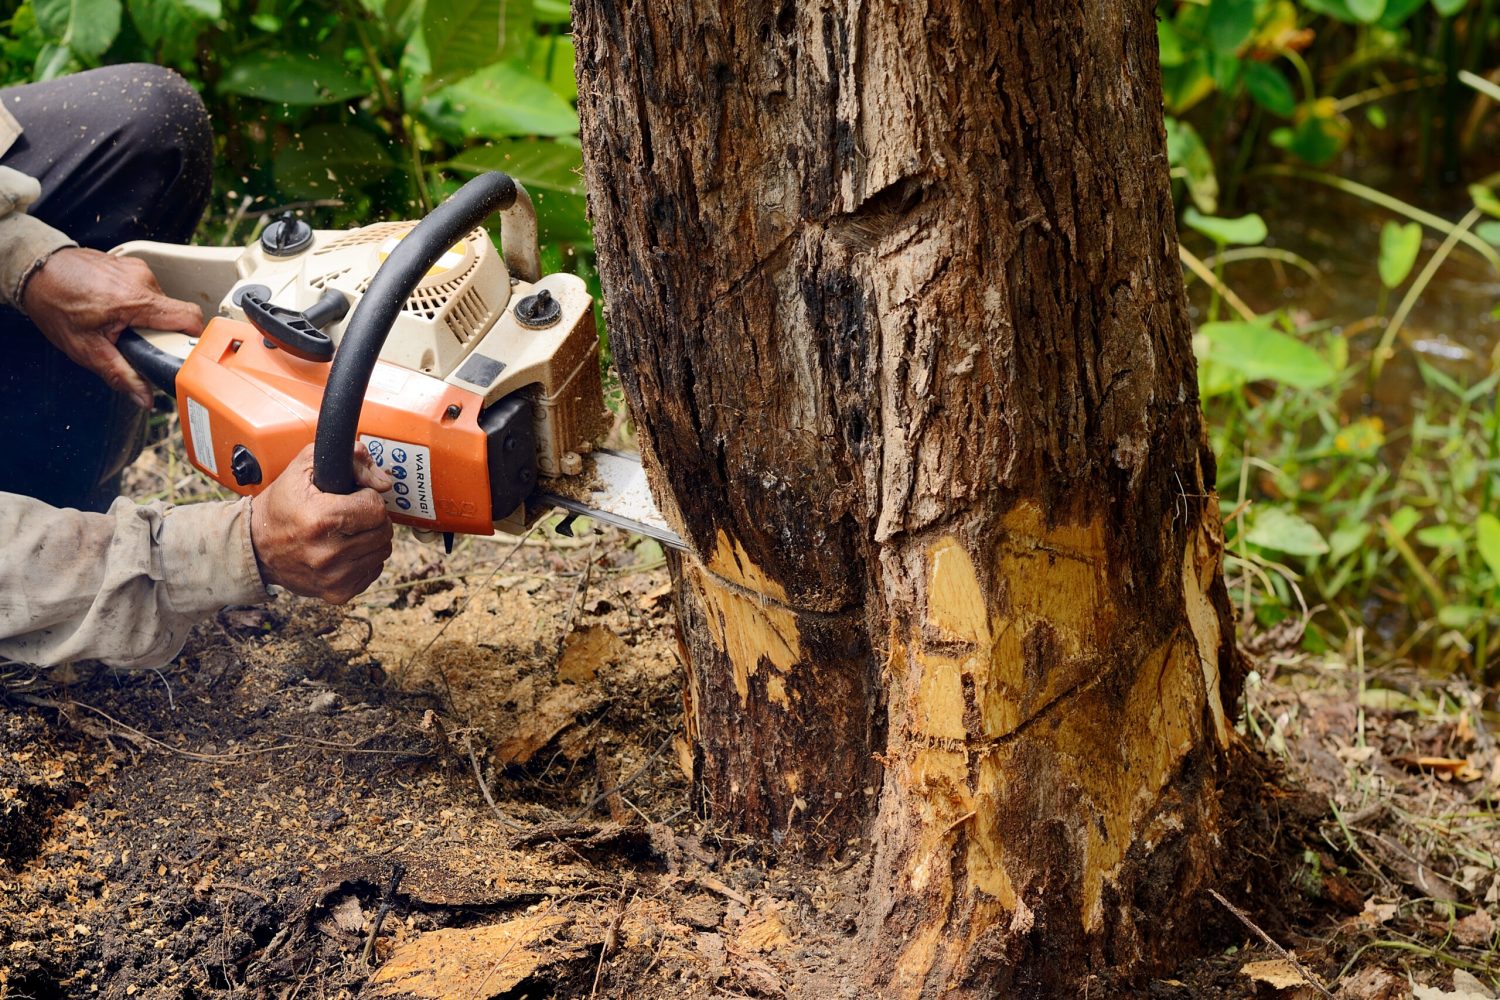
(378, 309)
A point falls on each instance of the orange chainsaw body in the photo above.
(237, 395)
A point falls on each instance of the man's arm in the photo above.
(125, 587)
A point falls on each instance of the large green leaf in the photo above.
(1316, 139)
(465, 35)
(548, 166)
(85, 26)
(1230, 24)
(1282, 531)
(327, 161)
(173, 22)
(1448, 8)
(1258, 352)
(505, 100)
(1366, 11)
(1247, 229)
(1269, 89)
(1399, 246)
(292, 78)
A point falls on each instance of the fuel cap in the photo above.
(286, 237)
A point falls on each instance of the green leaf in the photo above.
(1190, 159)
(1269, 89)
(548, 166)
(466, 35)
(1485, 200)
(328, 161)
(504, 100)
(1487, 536)
(302, 78)
(85, 26)
(1170, 44)
(1366, 11)
(1230, 24)
(1336, 9)
(1280, 530)
(173, 23)
(1315, 139)
(1347, 538)
(553, 11)
(1404, 520)
(1448, 8)
(1398, 12)
(1489, 232)
(1247, 229)
(1440, 536)
(1399, 246)
(1257, 352)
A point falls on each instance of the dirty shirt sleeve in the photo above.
(123, 587)
(25, 243)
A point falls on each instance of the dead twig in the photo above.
(387, 898)
(1244, 918)
(484, 786)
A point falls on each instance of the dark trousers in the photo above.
(122, 153)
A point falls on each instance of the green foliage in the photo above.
(350, 110)
(1399, 246)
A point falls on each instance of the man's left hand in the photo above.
(83, 299)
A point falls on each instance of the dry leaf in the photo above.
(1277, 973)
(1373, 983)
(587, 649)
(1455, 767)
(1374, 914)
(1476, 929)
(656, 597)
(347, 915)
(474, 962)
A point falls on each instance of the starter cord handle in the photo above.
(353, 363)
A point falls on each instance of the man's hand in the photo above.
(82, 299)
(321, 544)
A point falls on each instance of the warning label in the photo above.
(201, 437)
(410, 465)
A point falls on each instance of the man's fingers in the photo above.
(368, 474)
(161, 313)
(108, 363)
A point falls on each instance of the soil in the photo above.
(472, 783)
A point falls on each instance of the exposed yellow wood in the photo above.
(729, 561)
(749, 628)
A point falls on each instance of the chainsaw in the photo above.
(471, 378)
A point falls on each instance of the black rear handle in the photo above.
(155, 365)
(413, 257)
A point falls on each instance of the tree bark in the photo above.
(894, 295)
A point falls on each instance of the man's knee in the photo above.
(163, 113)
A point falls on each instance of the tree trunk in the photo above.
(894, 295)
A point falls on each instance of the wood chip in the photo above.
(473, 962)
(586, 650)
(1278, 973)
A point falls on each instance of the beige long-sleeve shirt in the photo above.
(122, 587)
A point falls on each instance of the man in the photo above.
(88, 162)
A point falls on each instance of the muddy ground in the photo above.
(471, 783)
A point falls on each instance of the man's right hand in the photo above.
(322, 544)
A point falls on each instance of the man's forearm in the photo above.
(25, 243)
(123, 587)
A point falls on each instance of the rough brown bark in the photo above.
(894, 295)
